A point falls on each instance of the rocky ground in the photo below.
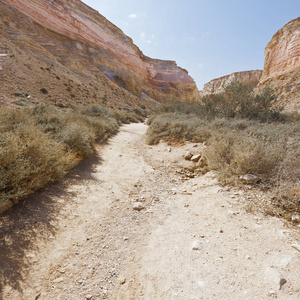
(130, 224)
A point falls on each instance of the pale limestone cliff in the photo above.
(83, 40)
(282, 53)
(217, 85)
(282, 65)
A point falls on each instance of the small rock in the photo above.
(296, 246)
(196, 157)
(188, 155)
(125, 238)
(296, 218)
(58, 280)
(37, 296)
(5, 205)
(282, 282)
(169, 149)
(88, 297)
(250, 178)
(276, 278)
(196, 245)
(271, 292)
(122, 280)
(138, 206)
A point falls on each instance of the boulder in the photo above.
(250, 178)
(188, 155)
(196, 157)
(5, 205)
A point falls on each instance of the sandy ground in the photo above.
(82, 239)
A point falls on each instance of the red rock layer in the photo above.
(87, 34)
(217, 85)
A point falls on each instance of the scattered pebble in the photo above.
(296, 218)
(188, 155)
(58, 280)
(122, 280)
(196, 157)
(275, 277)
(138, 206)
(196, 245)
(250, 178)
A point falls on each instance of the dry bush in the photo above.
(233, 154)
(39, 144)
(29, 159)
(238, 146)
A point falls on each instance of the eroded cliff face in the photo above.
(282, 64)
(85, 42)
(282, 53)
(217, 85)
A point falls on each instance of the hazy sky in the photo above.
(209, 38)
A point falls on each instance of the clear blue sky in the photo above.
(209, 38)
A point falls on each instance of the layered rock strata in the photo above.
(282, 53)
(84, 41)
(282, 65)
(217, 85)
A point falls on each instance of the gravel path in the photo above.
(124, 224)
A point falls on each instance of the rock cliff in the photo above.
(217, 85)
(282, 64)
(83, 41)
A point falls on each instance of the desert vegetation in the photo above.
(40, 143)
(244, 133)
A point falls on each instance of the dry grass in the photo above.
(238, 146)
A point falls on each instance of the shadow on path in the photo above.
(35, 218)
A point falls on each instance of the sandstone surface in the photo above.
(282, 64)
(217, 85)
(86, 43)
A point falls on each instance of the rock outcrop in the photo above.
(2, 57)
(282, 64)
(282, 53)
(82, 40)
(217, 85)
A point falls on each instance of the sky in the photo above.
(208, 38)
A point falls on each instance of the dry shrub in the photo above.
(29, 159)
(241, 146)
(39, 144)
(286, 196)
(233, 154)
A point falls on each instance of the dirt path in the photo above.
(83, 240)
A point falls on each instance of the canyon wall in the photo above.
(217, 85)
(282, 54)
(82, 40)
(282, 65)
